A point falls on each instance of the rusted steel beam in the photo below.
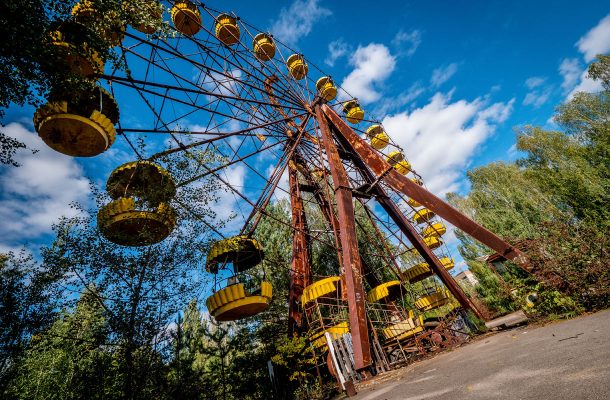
(352, 267)
(411, 233)
(380, 167)
(329, 215)
(300, 273)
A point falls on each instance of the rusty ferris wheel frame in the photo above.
(243, 108)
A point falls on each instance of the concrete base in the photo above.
(508, 321)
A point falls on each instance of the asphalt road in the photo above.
(566, 360)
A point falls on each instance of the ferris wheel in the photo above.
(199, 81)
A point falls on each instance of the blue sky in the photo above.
(450, 82)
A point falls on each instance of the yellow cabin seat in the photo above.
(264, 47)
(233, 302)
(413, 203)
(241, 251)
(353, 112)
(326, 88)
(186, 17)
(388, 291)
(77, 127)
(417, 181)
(317, 173)
(152, 10)
(297, 66)
(227, 30)
(77, 56)
(433, 242)
(436, 229)
(423, 215)
(324, 287)
(404, 329)
(142, 179)
(403, 167)
(432, 301)
(121, 223)
(379, 139)
(319, 340)
(421, 271)
(395, 157)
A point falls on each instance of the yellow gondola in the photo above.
(264, 47)
(186, 17)
(317, 174)
(403, 167)
(326, 88)
(432, 301)
(227, 30)
(323, 287)
(82, 126)
(241, 251)
(318, 340)
(379, 139)
(423, 215)
(388, 291)
(435, 229)
(122, 223)
(422, 270)
(353, 112)
(142, 179)
(78, 57)
(234, 302)
(433, 242)
(297, 66)
(413, 203)
(404, 329)
(395, 157)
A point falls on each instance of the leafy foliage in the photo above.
(28, 297)
(69, 360)
(554, 201)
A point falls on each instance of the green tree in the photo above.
(28, 298)
(187, 365)
(554, 199)
(141, 288)
(69, 360)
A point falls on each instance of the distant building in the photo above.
(467, 278)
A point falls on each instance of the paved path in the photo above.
(567, 360)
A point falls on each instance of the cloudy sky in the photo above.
(450, 81)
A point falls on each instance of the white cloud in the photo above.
(534, 82)
(372, 65)
(440, 138)
(226, 84)
(407, 42)
(40, 191)
(596, 41)
(283, 187)
(336, 49)
(570, 70)
(296, 21)
(387, 104)
(536, 99)
(586, 84)
(539, 92)
(229, 205)
(443, 74)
